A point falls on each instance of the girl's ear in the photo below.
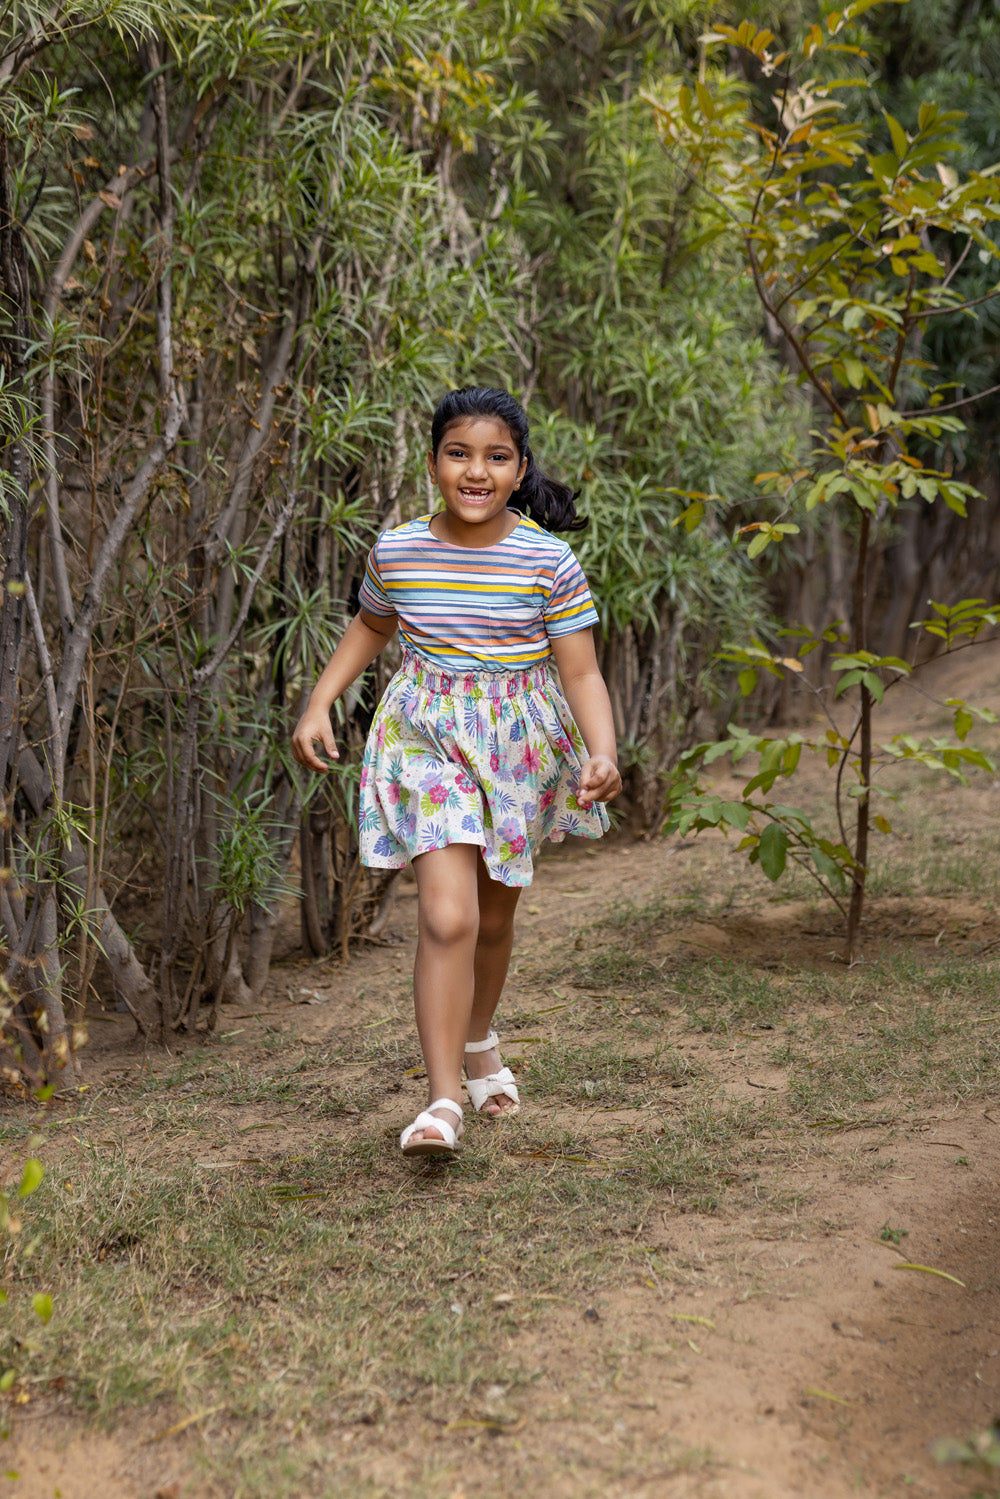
(522, 470)
(432, 468)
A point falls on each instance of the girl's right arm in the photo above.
(364, 638)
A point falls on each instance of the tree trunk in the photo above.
(859, 875)
(14, 309)
(130, 982)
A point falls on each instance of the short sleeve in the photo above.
(569, 606)
(372, 595)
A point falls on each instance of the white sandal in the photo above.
(450, 1143)
(497, 1085)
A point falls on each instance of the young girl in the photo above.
(475, 755)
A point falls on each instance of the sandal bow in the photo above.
(496, 1085)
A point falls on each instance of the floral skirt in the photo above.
(490, 758)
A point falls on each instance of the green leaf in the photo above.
(7, 1378)
(759, 542)
(900, 140)
(737, 814)
(855, 372)
(773, 850)
(849, 679)
(705, 100)
(827, 867)
(747, 680)
(42, 1304)
(963, 723)
(713, 752)
(875, 685)
(31, 1177)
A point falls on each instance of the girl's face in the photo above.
(476, 468)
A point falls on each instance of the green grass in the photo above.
(606, 1073)
(721, 996)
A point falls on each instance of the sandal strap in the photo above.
(491, 1041)
(429, 1120)
(445, 1103)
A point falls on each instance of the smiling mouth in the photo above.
(475, 494)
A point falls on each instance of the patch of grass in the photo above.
(906, 1049)
(705, 1151)
(721, 996)
(349, 1098)
(606, 1073)
(619, 967)
(929, 859)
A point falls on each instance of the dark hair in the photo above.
(545, 500)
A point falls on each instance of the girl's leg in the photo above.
(497, 904)
(444, 971)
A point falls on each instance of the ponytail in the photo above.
(547, 501)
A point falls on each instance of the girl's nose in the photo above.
(475, 467)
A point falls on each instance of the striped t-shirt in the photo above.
(477, 608)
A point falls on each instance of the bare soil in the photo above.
(792, 1351)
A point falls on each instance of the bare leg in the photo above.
(497, 904)
(444, 971)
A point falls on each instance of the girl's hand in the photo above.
(314, 728)
(599, 781)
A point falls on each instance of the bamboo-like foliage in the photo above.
(242, 250)
(234, 269)
(650, 347)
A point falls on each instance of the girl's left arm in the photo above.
(587, 695)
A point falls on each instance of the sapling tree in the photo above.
(852, 237)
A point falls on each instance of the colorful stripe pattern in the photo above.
(472, 609)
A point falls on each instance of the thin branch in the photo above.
(793, 291)
(958, 263)
(806, 864)
(204, 674)
(117, 187)
(782, 104)
(838, 788)
(169, 392)
(48, 679)
(901, 339)
(953, 405)
(16, 58)
(78, 640)
(818, 385)
(988, 296)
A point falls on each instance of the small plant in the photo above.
(981, 1451)
(893, 1235)
(11, 1231)
(850, 235)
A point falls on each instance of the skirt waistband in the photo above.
(473, 683)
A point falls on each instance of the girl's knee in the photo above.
(449, 922)
(495, 927)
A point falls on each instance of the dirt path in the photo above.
(749, 1354)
